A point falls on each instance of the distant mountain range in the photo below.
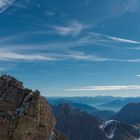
(117, 104)
(86, 118)
(100, 102)
(92, 101)
(105, 107)
(103, 114)
(78, 125)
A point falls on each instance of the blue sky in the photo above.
(72, 48)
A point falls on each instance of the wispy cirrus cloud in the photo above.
(106, 88)
(10, 56)
(61, 56)
(4, 4)
(104, 38)
(80, 56)
(73, 28)
(91, 38)
(60, 51)
(132, 60)
(131, 6)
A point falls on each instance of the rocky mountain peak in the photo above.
(24, 114)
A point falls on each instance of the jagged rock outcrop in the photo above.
(24, 114)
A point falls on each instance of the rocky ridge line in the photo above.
(25, 114)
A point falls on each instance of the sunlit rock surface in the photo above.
(25, 114)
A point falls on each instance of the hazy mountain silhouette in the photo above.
(129, 114)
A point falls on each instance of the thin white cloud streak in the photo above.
(138, 75)
(103, 37)
(9, 52)
(106, 88)
(91, 38)
(123, 40)
(132, 6)
(17, 37)
(131, 60)
(4, 4)
(71, 56)
(9, 56)
(80, 56)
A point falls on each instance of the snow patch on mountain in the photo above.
(112, 133)
(104, 125)
(112, 130)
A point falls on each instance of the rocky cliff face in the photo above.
(24, 114)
